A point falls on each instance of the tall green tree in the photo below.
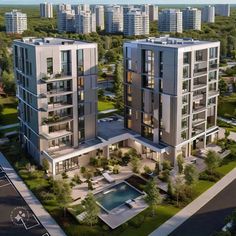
(222, 87)
(91, 209)
(153, 195)
(180, 162)
(190, 174)
(118, 87)
(8, 82)
(212, 160)
(62, 191)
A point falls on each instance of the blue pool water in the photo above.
(116, 195)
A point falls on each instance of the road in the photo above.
(211, 217)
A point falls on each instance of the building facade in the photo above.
(66, 21)
(191, 19)
(208, 14)
(171, 92)
(222, 10)
(153, 12)
(99, 11)
(136, 22)
(170, 20)
(57, 93)
(46, 10)
(85, 22)
(15, 22)
(114, 19)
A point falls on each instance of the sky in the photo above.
(187, 2)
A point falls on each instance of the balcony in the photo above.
(198, 97)
(198, 121)
(213, 66)
(57, 106)
(56, 134)
(55, 77)
(200, 71)
(213, 93)
(199, 86)
(198, 108)
(59, 91)
(56, 119)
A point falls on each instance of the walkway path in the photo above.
(44, 217)
(178, 219)
(227, 120)
(9, 126)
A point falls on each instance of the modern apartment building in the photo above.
(114, 19)
(15, 22)
(85, 22)
(66, 21)
(171, 92)
(208, 14)
(222, 9)
(153, 12)
(57, 93)
(99, 11)
(46, 10)
(136, 22)
(170, 20)
(191, 19)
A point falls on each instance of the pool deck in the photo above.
(120, 215)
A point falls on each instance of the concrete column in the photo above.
(53, 168)
(106, 152)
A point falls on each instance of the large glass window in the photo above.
(80, 62)
(65, 63)
(213, 53)
(50, 65)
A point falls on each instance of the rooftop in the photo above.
(50, 41)
(167, 41)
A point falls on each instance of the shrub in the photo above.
(137, 221)
(166, 165)
(210, 176)
(125, 159)
(76, 179)
(147, 170)
(90, 185)
(136, 164)
(164, 175)
(105, 227)
(72, 184)
(82, 169)
(64, 175)
(116, 169)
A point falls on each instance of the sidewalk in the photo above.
(178, 219)
(9, 126)
(44, 217)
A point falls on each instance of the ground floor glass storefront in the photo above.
(66, 165)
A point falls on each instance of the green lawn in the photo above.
(9, 114)
(105, 105)
(224, 124)
(202, 186)
(227, 106)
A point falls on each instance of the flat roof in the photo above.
(50, 41)
(167, 41)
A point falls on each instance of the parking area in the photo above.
(16, 217)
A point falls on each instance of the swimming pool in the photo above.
(116, 195)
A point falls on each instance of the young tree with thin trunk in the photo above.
(153, 195)
(212, 160)
(91, 209)
(190, 174)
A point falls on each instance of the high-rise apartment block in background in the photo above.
(85, 22)
(222, 9)
(208, 14)
(153, 12)
(99, 11)
(66, 20)
(57, 92)
(170, 20)
(191, 19)
(46, 10)
(114, 19)
(171, 92)
(15, 22)
(136, 22)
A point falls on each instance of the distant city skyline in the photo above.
(162, 2)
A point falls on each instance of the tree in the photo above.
(212, 160)
(91, 209)
(45, 164)
(170, 189)
(222, 87)
(8, 82)
(178, 188)
(136, 164)
(166, 165)
(62, 192)
(118, 86)
(153, 195)
(227, 134)
(190, 174)
(180, 162)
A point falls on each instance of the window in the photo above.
(199, 55)
(50, 65)
(81, 83)
(147, 119)
(80, 62)
(65, 63)
(147, 132)
(16, 56)
(161, 64)
(187, 57)
(213, 53)
(148, 81)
